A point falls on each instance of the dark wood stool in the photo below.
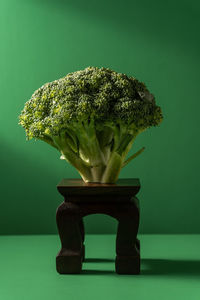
(116, 200)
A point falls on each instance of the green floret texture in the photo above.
(92, 118)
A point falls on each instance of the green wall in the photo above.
(156, 41)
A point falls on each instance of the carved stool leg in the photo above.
(127, 245)
(82, 230)
(69, 258)
(138, 244)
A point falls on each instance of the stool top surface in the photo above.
(79, 187)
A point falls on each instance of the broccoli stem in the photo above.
(77, 162)
(89, 144)
(102, 173)
(98, 156)
(72, 157)
(48, 140)
(133, 156)
(97, 173)
(105, 137)
(113, 168)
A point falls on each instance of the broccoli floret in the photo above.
(92, 118)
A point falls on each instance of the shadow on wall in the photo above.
(27, 195)
(145, 18)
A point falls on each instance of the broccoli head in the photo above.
(92, 118)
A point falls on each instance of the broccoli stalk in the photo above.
(98, 156)
(92, 118)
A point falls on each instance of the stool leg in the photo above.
(69, 258)
(138, 244)
(82, 231)
(127, 246)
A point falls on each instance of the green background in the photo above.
(157, 42)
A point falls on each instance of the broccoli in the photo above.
(92, 118)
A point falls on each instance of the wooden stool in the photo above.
(81, 199)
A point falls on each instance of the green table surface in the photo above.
(170, 269)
